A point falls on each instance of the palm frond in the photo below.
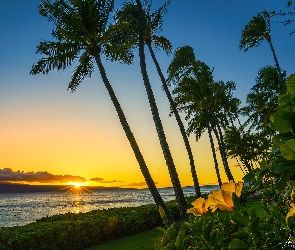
(118, 43)
(59, 56)
(255, 32)
(82, 71)
(163, 43)
(156, 18)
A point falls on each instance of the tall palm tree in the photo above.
(152, 25)
(214, 155)
(156, 117)
(81, 31)
(257, 30)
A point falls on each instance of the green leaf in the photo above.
(286, 99)
(280, 168)
(238, 244)
(207, 231)
(282, 119)
(180, 239)
(250, 177)
(281, 184)
(256, 185)
(276, 142)
(291, 84)
(252, 213)
(214, 237)
(255, 225)
(239, 219)
(266, 227)
(288, 150)
(263, 164)
(163, 216)
(242, 233)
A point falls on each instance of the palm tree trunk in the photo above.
(139, 157)
(158, 124)
(179, 122)
(240, 147)
(219, 138)
(214, 155)
(283, 86)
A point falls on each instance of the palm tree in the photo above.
(156, 117)
(81, 30)
(152, 25)
(197, 95)
(262, 101)
(255, 32)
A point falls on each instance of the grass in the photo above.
(142, 241)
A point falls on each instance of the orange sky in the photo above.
(47, 132)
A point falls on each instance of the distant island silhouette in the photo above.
(26, 188)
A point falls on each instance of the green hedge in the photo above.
(79, 231)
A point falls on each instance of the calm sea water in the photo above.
(17, 209)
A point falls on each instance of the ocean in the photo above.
(17, 209)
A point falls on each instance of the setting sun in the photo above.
(77, 184)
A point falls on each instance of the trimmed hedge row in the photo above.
(79, 231)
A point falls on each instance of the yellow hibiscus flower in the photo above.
(222, 199)
(199, 208)
(291, 211)
(233, 187)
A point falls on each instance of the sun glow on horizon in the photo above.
(78, 184)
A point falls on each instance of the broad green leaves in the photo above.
(288, 150)
(291, 84)
(282, 119)
(238, 244)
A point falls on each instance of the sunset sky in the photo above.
(49, 135)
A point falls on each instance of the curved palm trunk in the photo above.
(240, 147)
(158, 124)
(283, 86)
(179, 122)
(139, 157)
(219, 138)
(214, 156)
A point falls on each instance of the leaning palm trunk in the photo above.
(219, 138)
(241, 151)
(179, 122)
(158, 124)
(214, 155)
(143, 167)
(283, 86)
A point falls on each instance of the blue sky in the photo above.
(47, 128)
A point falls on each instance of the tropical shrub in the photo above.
(220, 222)
(79, 231)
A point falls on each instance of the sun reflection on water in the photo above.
(77, 191)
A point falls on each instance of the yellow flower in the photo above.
(200, 207)
(233, 187)
(222, 199)
(292, 211)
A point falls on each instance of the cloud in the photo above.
(8, 175)
(101, 180)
